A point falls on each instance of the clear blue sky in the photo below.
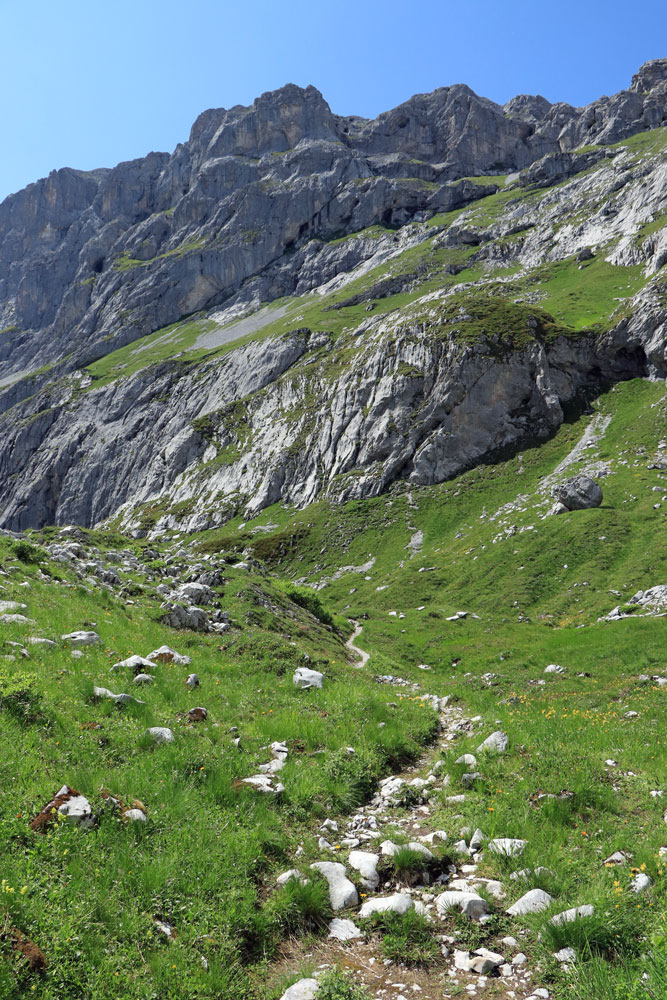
(90, 84)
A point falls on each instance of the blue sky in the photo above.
(90, 84)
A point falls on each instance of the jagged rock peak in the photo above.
(649, 75)
(528, 107)
(275, 122)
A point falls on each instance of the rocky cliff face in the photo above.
(90, 261)
(254, 207)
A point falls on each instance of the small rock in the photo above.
(160, 734)
(342, 892)
(167, 655)
(305, 678)
(496, 741)
(640, 883)
(531, 902)
(305, 989)
(576, 913)
(399, 902)
(508, 846)
(82, 638)
(343, 930)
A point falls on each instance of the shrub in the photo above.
(19, 698)
(336, 985)
(29, 553)
(407, 938)
(310, 601)
(613, 935)
(296, 908)
(355, 774)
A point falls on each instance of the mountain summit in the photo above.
(285, 217)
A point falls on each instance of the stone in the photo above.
(508, 846)
(192, 681)
(305, 989)
(641, 882)
(120, 699)
(533, 901)
(565, 955)
(578, 493)
(496, 741)
(483, 961)
(264, 783)
(470, 903)
(143, 679)
(12, 606)
(285, 877)
(35, 640)
(617, 858)
(576, 913)
(77, 809)
(136, 663)
(183, 616)
(391, 787)
(468, 759)
(519, 959)
(554, 668)
(366, 864)
(344, 930)
(160, 734)
(477, 839)
(195, 593)
(135, 815)
(82, 638)
(399, 902)
(342, 892)
(305, 678)
(165, 654)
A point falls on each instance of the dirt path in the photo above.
(363, 656)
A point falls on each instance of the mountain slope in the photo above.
(454, 339)
(576, 782)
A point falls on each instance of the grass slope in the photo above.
(207, 858)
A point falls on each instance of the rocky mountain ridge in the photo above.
(494, 302)
(92, 260)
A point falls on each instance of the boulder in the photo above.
(508, 846)
(195, 593)
(135, 663)
(305, 678)
(533, 901)
(160, 734)
(305, 989)
(366, 864)
(399, 902)
(496, 741)
(576, 913)
(165, 654)
(342, 892)
(470, 903)
(82, 638)
(264, 783)
(344, 930)
(182, 616)
(578, 493)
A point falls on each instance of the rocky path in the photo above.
(362, 850)
(363, 656)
